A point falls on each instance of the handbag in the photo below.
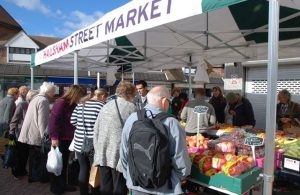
(9, 157)
(94, 179)
(87, 144)
(45, 142)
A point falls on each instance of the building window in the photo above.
(19, 50)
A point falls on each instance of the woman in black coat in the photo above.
(219, 103)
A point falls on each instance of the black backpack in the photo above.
(148, 151)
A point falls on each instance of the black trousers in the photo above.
(112, 182)
(37, 161)
(22, 152)
(85, 161)
(58, 183)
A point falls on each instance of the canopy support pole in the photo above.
(145, 46)
(98, 80)
(132, 77)
(31, 78)
(271, 96)
(190, 77)
(75, 67)
(122, 75)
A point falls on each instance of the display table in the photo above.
(228, 185)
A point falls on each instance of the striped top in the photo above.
(90, 112)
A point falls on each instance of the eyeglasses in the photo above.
(169, 101)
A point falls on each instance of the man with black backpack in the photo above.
(153, 150)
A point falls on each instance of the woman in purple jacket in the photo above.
(61, 132)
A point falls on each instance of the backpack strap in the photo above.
(142, 114)
(162, 116)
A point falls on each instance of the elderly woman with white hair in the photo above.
(34, 127)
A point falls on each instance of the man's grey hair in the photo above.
(46, 87)
(157, 93)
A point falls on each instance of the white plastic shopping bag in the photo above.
(54, 162)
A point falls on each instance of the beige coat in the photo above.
(36, 121)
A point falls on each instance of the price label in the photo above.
(254, 141)
(200, 109)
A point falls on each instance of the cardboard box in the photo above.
(238, 185)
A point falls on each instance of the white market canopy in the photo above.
(164, 34)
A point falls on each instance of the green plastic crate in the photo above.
(238, 185)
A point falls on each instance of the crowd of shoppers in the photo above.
(75, 117)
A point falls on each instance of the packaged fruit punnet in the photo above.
(199, 155)
(241, 165)
(225, 147)
(218, 161)
(205, 164)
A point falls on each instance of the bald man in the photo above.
(158, 101)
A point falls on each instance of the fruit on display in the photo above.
(218, 161)
(224, 127)
(225, 147)
(241, 165)
(237, 137)
(182, 123)
(192, 141)
(281, 140)
(210, 163)
(211, 172)
(292, 149)
(199, 155)
(205, 164)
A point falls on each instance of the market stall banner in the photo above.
(133, 17)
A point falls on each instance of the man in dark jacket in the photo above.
(140, 100)
(288, 112)
(241, 110)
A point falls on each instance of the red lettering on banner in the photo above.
(56, 49)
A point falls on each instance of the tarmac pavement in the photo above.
(10, 186)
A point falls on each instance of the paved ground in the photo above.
(10, 186)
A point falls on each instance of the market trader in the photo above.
(140, 100)
(191, 118)
(288, 112)
(241, 110)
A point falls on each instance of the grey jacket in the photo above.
(191, 118)
(178, 154)
(18, 118)
(108, 131)
(35, 121)
(7, 107)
